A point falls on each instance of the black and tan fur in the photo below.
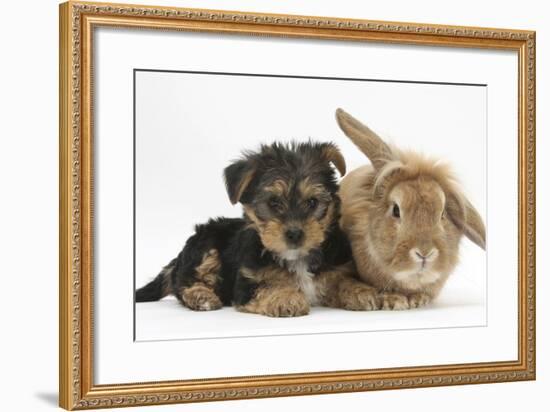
(286, 254)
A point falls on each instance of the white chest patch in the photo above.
(290, 255)
(304, 279)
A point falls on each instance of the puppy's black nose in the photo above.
(294, 235)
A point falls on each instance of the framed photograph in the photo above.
(261, 205)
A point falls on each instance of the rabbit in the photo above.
(404, 215)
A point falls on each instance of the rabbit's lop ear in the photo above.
(474, 229)
(365, 139)
(238, 176)
(333, 155)
(463, 214)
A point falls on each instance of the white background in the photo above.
(28, 165)
(116, 353)
(190, 126)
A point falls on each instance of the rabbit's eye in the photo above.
(395, 211)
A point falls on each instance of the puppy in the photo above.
(285, 254)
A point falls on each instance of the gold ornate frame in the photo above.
(77, 22)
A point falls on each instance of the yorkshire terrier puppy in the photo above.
(285, 255)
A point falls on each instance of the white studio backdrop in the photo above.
(120, 359)
(189, 126)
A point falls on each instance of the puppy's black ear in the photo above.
(238, 176)
(333, 155)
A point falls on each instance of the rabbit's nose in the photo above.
(421, 255)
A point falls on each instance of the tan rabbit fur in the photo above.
(405, 216)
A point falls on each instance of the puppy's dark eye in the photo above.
(312, 203)
(274, 203)
(395, 211)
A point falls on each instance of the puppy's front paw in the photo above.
(393, 301)
(417, 300)
(360, 297)
(287, 305)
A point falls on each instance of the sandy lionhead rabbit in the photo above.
(404, 215)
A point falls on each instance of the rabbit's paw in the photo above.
(418, 300)
(393, 301)
(360, 297)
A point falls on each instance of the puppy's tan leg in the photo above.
(208, 272)
(277, 302)
(200, 297)
(277, 294)
(340, 289)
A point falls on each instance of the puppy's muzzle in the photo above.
(294, 236)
